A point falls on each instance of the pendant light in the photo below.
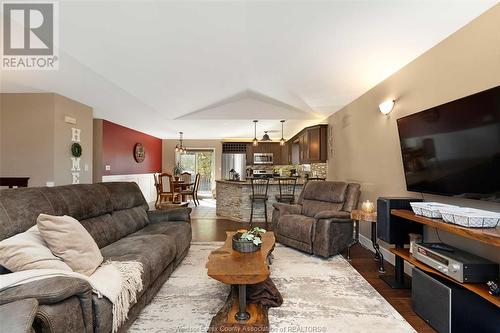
(179, 148)
(282, 140)
(255, 141)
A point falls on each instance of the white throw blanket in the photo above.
(118, 281)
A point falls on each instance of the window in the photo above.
(202, 162)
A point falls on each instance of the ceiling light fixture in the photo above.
(255, 141)
(266, 137)
(282, 140)
(387, 106)
(179, 148)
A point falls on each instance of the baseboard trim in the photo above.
(388, 256)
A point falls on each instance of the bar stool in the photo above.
(287, 189)
(314, 178)
(259, 194)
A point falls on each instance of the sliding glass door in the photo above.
(202, 162)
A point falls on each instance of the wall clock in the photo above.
(76, 149)
(139, 152)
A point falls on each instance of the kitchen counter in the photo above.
(272, 181)
(233, 199)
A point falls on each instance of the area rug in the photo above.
(320, 295)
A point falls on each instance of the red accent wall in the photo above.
(118, 150)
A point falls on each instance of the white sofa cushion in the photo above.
(71, 242)
(28, 250)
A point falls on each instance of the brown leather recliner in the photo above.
(321, 222)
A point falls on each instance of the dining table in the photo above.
(182, 186)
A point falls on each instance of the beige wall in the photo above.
(97, 152)
(168, 155)
(35, 141)
(365, 142)
(62, 139)
(27, 141)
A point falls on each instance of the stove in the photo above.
(262, 174)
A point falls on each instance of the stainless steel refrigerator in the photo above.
(238, 162)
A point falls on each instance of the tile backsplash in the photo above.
(313, 169)
(319, 169)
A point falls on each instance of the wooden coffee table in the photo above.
(239, 270)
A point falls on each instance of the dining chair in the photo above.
(166, 188)
(191, 191)
(186, 177)
(259, 194)
(197, 187)
(286, 189)
(157, 187)
(184, 184)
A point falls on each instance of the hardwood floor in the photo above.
(400, 299)
(207, 227)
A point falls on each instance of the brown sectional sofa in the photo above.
(117, 217)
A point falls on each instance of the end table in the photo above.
(358, 215)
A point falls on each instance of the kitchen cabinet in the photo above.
(250, 149)
(294, 152)
(286, 153)
(307, 146)
(303, 148)
(312, 145)
(280, 153)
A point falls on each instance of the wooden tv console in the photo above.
(486, 235)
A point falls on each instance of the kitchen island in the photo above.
(233, 200)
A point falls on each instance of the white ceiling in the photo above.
(209, 68)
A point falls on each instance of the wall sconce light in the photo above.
(387, 106)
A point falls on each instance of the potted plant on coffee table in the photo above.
(248, 240)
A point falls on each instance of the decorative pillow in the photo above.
(71, 242)
(28, 250)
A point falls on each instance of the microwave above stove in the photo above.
(263, 158)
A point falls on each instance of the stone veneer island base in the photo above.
(233, 200)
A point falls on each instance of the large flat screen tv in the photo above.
(454, 149)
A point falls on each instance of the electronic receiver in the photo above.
(455, 263)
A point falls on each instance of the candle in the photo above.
(368, 206)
